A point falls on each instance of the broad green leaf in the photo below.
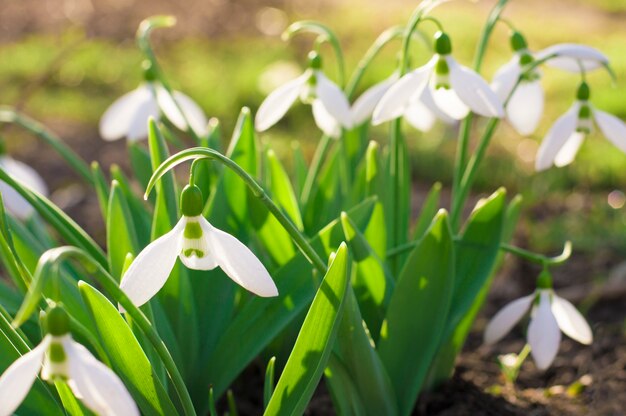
(310, 353)
(121, 237)
(342, 389)
(102, 188)
(429, 209)
(71, 406)
(417, 311)
(362, 362)
(299, 166)
(372, 283)
(325, 200)
(281, 189)
(376, 232)
(139, 162)
(137, 207)
(126, 355)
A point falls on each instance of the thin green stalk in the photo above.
(540, 258)
(466, 125)
(257, 191)
(8, 115)
(316, 165)
(53, 257)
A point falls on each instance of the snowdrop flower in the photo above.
(550, 314)
(455, 89)
(58, 356)
(525, 106)
(13, 201)
(200, 246)
(331, 109)
(421, 111)
(128, 116)
(563, 140)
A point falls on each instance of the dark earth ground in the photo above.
(584, 380)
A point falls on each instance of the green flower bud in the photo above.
(57, 321)
(583, 92)
(315, 60)
(525, 59)
(584, 112)
(149, 71)
(443, 45)
(544, 280)
(191, 203)
(518, 42)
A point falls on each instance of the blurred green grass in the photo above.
(71, 78)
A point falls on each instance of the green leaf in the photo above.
(102, 188)
(430, 206)
(342, 389)
(121, 237)
(417, 312)
(326, 199)
(137, 207)
(372, 283)
(140, 163)
(268, 387)
(299, 166)
(281, 189)
(126, 355)
(71, 406)
(310, 353)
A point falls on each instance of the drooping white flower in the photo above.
(330, 106)
(58, 356)
(128, 116)
(13, 201)
(200, 246)
(421, 111)
(550, 314)
(455, 89)
(563, 140)
(525, 106)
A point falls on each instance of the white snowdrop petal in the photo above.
(506, 318)
(394, 102)
(239, 263)
(571, 56)
(612, 127)
(17, 380)
(544, 335)
(324, 120)
(169, 108)
(117, 119)
(138, 128)
(275, 105)
(207, 261)
(525, 108)
(195, 115)
(149, 271)
(427, 99)
(474, 91)
(571, 322)
(420, 116)
(363, 107)
(15, 203)
(98, 386)
(334, 100)
(556, 138)
(506, 77)
(24, 173)
(568, 152)
(448, 101)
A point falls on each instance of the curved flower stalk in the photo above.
(421, 111)
(330, 106)
(14, 202)
(563, 140)
(455, 89)
(549, 315)
(128, 116)
(59, 357)
(525, 106)
(200, 246)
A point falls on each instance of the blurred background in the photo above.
(63, 62)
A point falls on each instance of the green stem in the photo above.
(466, 125)
(316, 166)
(8, 115)
(257, 190)
(540, 258)
(143, 41)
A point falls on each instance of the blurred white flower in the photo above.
(550, 314)
(525, 107)
(60, 357)
(128, 116)
(455, 89)
(421, 111)
(200, 246)
(331, 109)
(566, 135)
(13, 201)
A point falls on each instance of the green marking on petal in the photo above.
(191, 251)
(193, 230)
